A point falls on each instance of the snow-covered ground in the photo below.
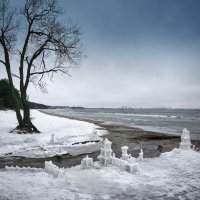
(66, 133)
(172, 176)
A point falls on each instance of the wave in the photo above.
(146, 115)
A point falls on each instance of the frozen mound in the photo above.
(52, 169)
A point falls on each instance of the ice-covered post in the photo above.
(52, 142)
(140, 157)
(185, 140)
(106, 153)
(87, 163)
(125, 155)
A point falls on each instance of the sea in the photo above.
(165, 120)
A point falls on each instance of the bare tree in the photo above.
(48, 47)
(8, 27)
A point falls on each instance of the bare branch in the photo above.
(55, 69)
(16, 76)
(43, 37)
(1, 61)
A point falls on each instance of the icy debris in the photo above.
(52, 169)
(140, 157)
(105, 156)
(87, 163)
(185, 140)
(52, 141)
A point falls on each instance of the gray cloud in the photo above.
(139, 53)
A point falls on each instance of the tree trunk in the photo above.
(14, 98)
(16, 107)
(28, 125)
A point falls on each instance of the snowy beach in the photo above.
(99, 100)
(172, 175)
(65, 133)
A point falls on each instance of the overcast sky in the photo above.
(140, 53)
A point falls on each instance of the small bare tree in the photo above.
(45, 46)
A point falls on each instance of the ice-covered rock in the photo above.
(185, 140)
(87, 163)
(105, 156)
(52, 169)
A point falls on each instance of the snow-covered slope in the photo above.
(173, 176)
(66, 132)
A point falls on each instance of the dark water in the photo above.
(161, 120)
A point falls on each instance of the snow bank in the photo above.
(173, 175)
(64, 131)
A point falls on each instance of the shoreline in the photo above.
(152, 143)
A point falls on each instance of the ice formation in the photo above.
(140, 157)
(173, 175)
(52, 141)
(185, 140)
(127, 165)
(87, 163)
(105, 156)
(125, 155)
(126, 162)
(52, 169)
(94, 135)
